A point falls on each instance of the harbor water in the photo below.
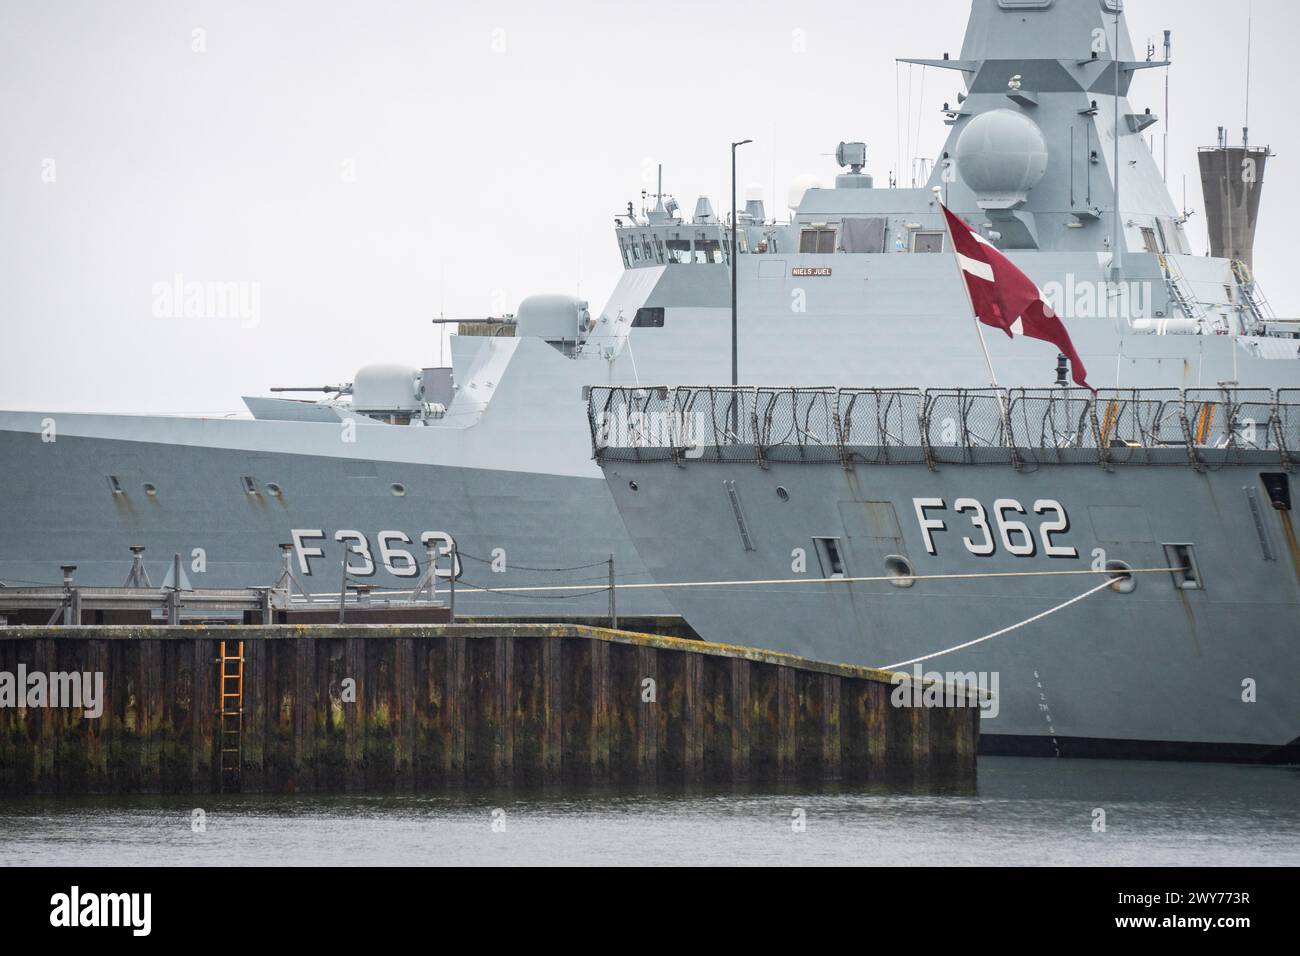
(1021, 812)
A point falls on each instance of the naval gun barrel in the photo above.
(341, 389)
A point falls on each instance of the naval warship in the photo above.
(1113, 573)
(1121, 572)
(383, 476)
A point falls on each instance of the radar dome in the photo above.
(801, 185)
(1002, 155)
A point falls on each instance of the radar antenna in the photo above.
(1116, 243)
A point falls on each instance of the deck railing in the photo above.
(944, 426)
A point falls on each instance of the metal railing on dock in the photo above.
(70, 603)
(359, 601)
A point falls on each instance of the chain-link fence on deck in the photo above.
(943, 426)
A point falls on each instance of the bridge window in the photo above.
(707, 251)
(679, 251)
(927, 242)
(819, 241)
(622, 248)
(649, 317)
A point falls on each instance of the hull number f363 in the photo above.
(393, 557)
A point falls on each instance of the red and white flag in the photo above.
(1006, 298)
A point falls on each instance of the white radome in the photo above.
(1002, 154)
(801, 185)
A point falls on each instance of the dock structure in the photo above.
(422, 707)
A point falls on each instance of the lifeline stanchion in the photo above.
(451, 599)
(343, 588)
(613, 590)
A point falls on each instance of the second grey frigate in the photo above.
(494, 452)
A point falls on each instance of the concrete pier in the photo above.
(419, 707)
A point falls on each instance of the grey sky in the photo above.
(492, 143)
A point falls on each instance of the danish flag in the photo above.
(1006, 298)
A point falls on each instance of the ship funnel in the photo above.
(704, 211)
(1232, 179)
(754, 208)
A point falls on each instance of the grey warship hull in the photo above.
(889, 553)
(227, 510)
(510, 477)
(888, 548)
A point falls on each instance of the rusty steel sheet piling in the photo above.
(377, 707)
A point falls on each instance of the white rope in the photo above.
(1005, 630)
(670, 585)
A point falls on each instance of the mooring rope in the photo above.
(1006, 630)
(1115, 575)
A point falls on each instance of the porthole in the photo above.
(150, 489)
(633, 485)
(1122, 580)
(399, 489)
(274, 490)
(900, 571)
(782, 493)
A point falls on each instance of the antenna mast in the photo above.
(1168, 50)
(1250, 28)
(1115, 244)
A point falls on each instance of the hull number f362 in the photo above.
(1006, 525)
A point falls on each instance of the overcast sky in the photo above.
(366, 166)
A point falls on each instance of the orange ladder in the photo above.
(231, 712)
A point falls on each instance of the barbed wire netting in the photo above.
(881, 425)
(942, 426)
(1287, 422)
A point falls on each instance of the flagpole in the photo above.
(961, 278)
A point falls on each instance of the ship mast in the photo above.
(1115, 264)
